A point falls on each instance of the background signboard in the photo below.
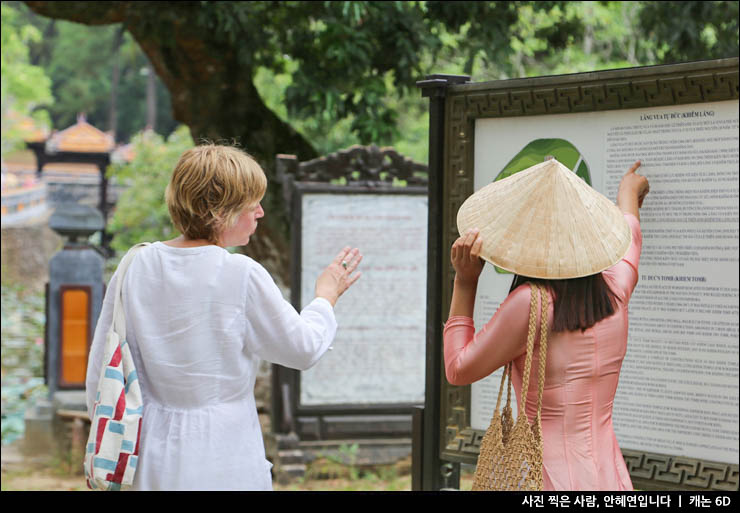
(676, 409)
(367, 384)
(378, 354)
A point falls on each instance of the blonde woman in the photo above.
(199, 320)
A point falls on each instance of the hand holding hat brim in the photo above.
(546, 222)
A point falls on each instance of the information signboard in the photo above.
(378, 353)
(367, 383)
(676, 409)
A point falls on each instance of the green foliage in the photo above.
(343, 73)
(16, 398)
(328, 134)
(24, 86)
(81, 65)
(346, 59)
(23, 322)
(688, 31)
(141, 213)
(348, 456)
(589, 36)
(335, 463)
(488, 40)
(325, 133)
(79, 60)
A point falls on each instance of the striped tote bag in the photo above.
(113, 445)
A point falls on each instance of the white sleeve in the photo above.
(277, 333)
(97, 348)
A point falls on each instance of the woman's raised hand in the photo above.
(632, 191)
(337, 277)
(465, 256)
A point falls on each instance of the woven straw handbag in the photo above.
(511, 453)
(113, 445)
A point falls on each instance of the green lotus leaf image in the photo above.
(535, 152)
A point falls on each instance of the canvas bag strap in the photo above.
(119, 319)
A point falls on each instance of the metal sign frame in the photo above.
(653, 86)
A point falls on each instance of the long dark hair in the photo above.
(579, 302)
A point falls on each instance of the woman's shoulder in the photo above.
(240, 259)
(201, 258)
(519, 298)
(240, 264)
(255, 271)
(206, 252)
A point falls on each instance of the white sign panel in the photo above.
(678, 390)
(379, 352)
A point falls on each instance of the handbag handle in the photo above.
(119, 318)
(540, 297)
(544, 312)
(504, 375)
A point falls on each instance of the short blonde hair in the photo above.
(209, 188)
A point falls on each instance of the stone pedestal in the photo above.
(288, 458)
(45, 433)
(70, 400)
(39, 439)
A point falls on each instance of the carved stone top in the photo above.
(360, 165)
(73, 220)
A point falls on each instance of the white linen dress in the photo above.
(199, 321)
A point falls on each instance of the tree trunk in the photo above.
(151, 99)
(213, 94)
(113, 113)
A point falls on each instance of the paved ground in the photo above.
(22, 474)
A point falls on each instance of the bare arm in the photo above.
(632, 191)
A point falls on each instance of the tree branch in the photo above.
(89, 13)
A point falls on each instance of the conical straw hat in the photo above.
(546, 222)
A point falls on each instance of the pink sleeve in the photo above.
(624, 275)
(471, 356)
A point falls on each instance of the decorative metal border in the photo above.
(375, 166)
(653, 86)
(671, 472)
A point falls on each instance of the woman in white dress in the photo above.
(200, 319)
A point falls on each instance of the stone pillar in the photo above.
(75, 282)
(76, 269)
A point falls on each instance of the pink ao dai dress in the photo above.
(582, 372)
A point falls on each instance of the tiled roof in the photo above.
(81, 137)
(29, 128)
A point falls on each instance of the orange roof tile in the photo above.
(29, 128)
(81, 137)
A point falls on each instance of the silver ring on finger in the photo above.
(344, 264)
